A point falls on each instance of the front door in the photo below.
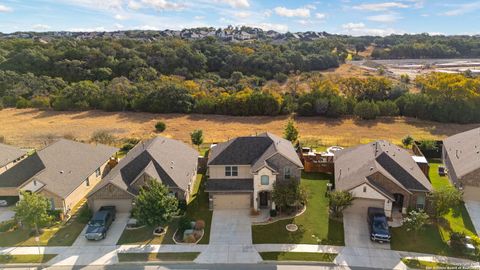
(263, 199)
(398, 204)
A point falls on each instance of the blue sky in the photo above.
(355, 17)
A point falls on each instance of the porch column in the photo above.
(255, 200)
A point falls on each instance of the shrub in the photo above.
(456, 241)
(273, 213)
(84, 215)
(55, 214)
(428, 145)
(8, 225)
(366, 110)
(388, 108)
(40, 102)
(22, 103)
(407, 141)
(103, 137)
(199, 225)
(182, 205)
(281, 77)
(189, 239)
(160, 126)
(184, 224)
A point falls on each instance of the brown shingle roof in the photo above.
(9, 153)
(463, 149)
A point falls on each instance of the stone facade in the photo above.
(280, 163)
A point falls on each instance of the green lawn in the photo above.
(56, 235)
(433, 239)
(158, 257)
(298, 256)
(314, 226)
(417, 264)
(197, 209)
(6, 259)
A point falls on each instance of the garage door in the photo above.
(122, 205)
(232, 201)
(361, 205)
(471, 193)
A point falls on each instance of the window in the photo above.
(286, 173)
(421, 201)
(264, 180)
(231, 171)
(97, 172)
(87, 182)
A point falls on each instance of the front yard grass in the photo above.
(197, 208)
(434, 238)
(59, 234)
(418, 264)
(298, 256)
(158, 257)
(314, 226)
(6, 259)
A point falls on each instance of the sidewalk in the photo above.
(298, 248)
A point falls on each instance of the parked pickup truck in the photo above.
(100, 223)
(378, 225)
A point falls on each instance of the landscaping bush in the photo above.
(366, 110)
(273, 213)
(388, 108)
(182, 206)
(7, 225)
(428, 145)
(189, 239)
(160, 126)
(184, 224)
(457, 242)
(56, 214)
(129, 144)
(40, 102)
(84, 215)
(199, 225)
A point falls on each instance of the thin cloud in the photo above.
(380, 6)
(297, 12)
(4, 8)
(384, 18)
(463, 9)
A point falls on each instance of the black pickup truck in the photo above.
(378, 225)
(100, 223)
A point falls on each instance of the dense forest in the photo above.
(173, 75)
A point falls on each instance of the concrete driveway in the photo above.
(230, 239)
(356, 230)
(113, 234)
(6, 213)
(473, 208)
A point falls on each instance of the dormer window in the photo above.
(231, 171)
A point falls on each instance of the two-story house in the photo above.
(242, 171)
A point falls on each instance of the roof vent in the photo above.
(61, 172)
(371, 168)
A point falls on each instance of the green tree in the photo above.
(444, 199)
(415, 221)
(160, 126)
(288, 193)
(197, 137)
(339, 201)
(290, 132)
(154, 205)
(366, 110)
(407, 141)
(32, 210)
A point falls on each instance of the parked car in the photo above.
(378, 225)
(3, 203)
(100, 223)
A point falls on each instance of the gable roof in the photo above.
(253, 150)
(68, 163)
(353, 166)
(170, 161)
(22, 172)
(463, 150)
(9, 153)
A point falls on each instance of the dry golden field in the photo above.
(33, 128)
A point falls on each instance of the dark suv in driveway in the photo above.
(378, 225)
(100, 223)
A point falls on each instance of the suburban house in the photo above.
(169, 161)
(64, 172)
(242, 171)
(9, 156)
(461, 156)
(383, 175)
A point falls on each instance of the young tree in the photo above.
(197, 137)
(415, 221)
(288, 193)
(290, 133)
(32, 210)
(154, 205)
(407, 141)
(339, 201)
(160, 126)
(445, 198)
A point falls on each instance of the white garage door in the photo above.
(361, 205)
(471, 193)
(231, 201)
(122, 205)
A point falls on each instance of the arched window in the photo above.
(264, 180)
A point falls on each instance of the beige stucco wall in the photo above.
(218, 172)
(258, 187)
(8, 191)
(367, 192)
(81, 191)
